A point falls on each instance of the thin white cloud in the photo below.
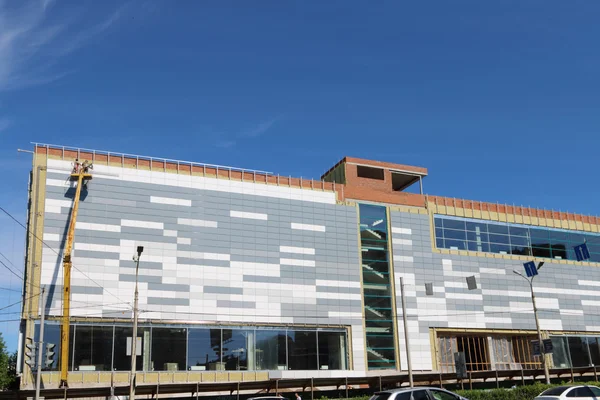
(32, 42)
(228, 141)
(5, 123)
(260, 129)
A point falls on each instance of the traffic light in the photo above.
(30, 348)
(49, 360)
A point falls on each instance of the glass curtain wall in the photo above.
(496, 237)
(377, 287)
(97, 347)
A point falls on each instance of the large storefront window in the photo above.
(271, 350)
(204, 349)
(237, 346)
(99, 347)
(52, 335)
(122, 354)
(169, 349)
(302, 350)
(332, 350)
(94, 348)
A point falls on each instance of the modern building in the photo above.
(248, 275)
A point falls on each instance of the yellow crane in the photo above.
(81, 175)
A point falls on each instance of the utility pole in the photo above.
(38, 375)
(408, 360)
(537, 321)
(132, 382)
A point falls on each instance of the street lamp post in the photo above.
(537, 321)
(132, 382)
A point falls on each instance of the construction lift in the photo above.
(81, 175)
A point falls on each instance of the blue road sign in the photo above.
(530, 269)
(582, 252)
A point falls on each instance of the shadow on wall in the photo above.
(70, 194)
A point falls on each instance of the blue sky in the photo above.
(499, 100)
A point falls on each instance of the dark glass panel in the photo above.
(236, 344)
(439, 233)
(439, 243)
(302, 350)
(542, 251)
(499, 248)
(453, 234)
(204, 349)
(169, 349)
(559, 251)
(454, 224)
(518, 231)
(271, 350)
(93, 348)
(474, 236)
(455, 244)
(480, 227)
(374, 255)
(499, 239)
(122, 355)
(438, 222)
(52, 335)
(518, 241)
(498, 229)
(579, 351)
(475, 246)
(594, 346)
(560, 352)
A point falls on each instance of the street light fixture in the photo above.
(136, 258)
(532, 271)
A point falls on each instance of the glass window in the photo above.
(555, 391)
(439, 243)
(454, 234)
(420, 395)
(478, 227)
(540, 234)
(442, 395)
(498, 229)
(93, 348)
(582, 391)
(518, 231)
(122, 355)
(594, 347)
(454, 224)
(374, 255)
(541, 251)
(204, 349)
(332, 350)
(380, 350)
(381, 396)
(478, 246)
(439, 232)
(438, 222)
(518, 241)
(474, 236)
(560, 352)
(52, 335)
(499, 248)
(302, 350)
(169, 349)
(236, 346)
(455, 244)
(580, 356)
(499, 239)
(559, 251)
(595, 391)
(271, 350)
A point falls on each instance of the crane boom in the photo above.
(80, 175)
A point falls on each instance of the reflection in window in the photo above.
(236, 347)
(168, 349)
(52, 335)
(495, 237)
(578, 349)
(204, 349)
(93, 348)
(560, 352)
(122, 355)
(332, 350)
(271, 350)
(302, 350)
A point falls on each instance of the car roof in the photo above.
(408, 389)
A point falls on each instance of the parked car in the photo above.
(570, 393)
(267, 398)
(416, 393)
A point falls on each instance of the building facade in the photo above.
(249, 275)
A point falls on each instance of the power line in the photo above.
(57, 253)
(10, 270)
(10, 289)
(10, 262)
(18, 302)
